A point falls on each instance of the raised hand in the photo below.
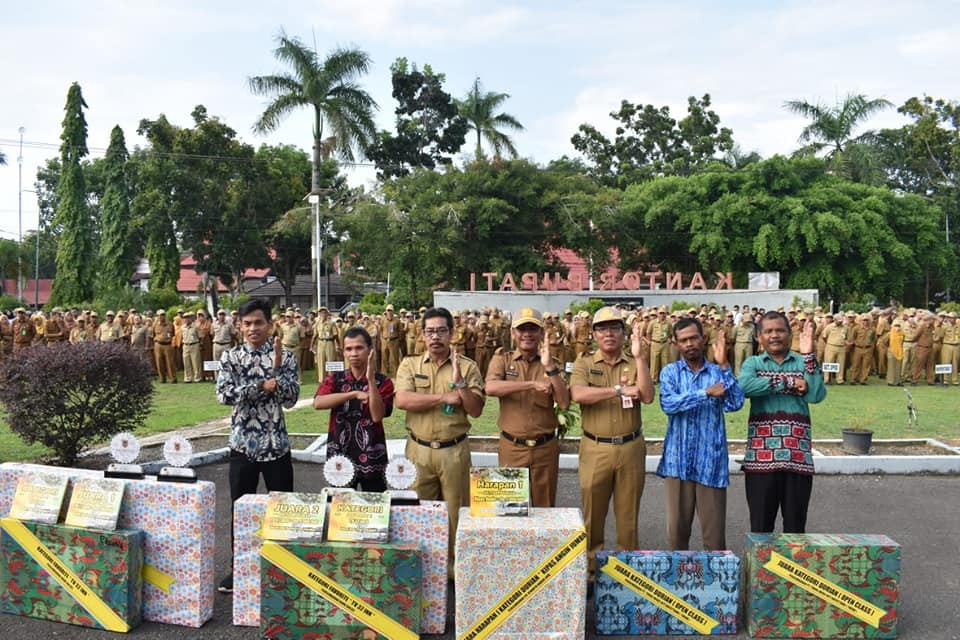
(636, 343)
(545, 358)
(806, 338)
(720, 349)
(372, 367)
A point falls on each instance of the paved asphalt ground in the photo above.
(922, 513)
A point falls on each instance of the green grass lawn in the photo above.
(877, 406)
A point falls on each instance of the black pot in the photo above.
(857, 441)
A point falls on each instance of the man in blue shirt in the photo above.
(695, 393)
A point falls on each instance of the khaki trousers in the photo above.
(166, 361)
(741, 351)
(543, 463)
(683, 499)
(192, 364)
(659, 358)
(893, 369)
(836, 354)
(950, 354)
(443, 474)
(611, 470)
(390, 357)
(909, 356)
(326, 352)
(860, 368)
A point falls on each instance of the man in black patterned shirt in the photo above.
(258, 378)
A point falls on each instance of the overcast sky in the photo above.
(563, 64)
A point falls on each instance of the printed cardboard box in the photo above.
(383, 575)
(178, 521)
(109, 563)
(495, 554)
(867, 566)
(708, 581)
(425, 525)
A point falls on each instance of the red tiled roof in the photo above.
(10, 289)
(576, 264)
(189, 279)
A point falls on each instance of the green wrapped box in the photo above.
(821, 585)
(99, 582)
(384, 577)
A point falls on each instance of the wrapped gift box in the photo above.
(178, 521)
(425, 525)
(867, 566)
(706, 580)
(495, 554)
(384, 575)
(108, 563)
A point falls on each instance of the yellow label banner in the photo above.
(659, 596)
(528, 587)
(329, 590)
(60, 572)
(828, 591)
(157, 578)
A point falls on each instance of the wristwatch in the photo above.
(619, 389)
(552, 372)
(459, 385)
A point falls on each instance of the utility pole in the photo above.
(20, 218)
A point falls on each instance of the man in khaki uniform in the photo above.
(109, 330)
(882, 330)
(54, 331)
(743, 342)
(582, 340)
(658, 333)
(922, 362)
(939, 331)
(326, 340)
(290, 334)
(909, 345)
(223, 333)
(863, 338)
(950, 352)
(163, 348)
(484, 352)
(836, 349)
(190, 336)
(438, 390)
(23, 330)
(555, 336)
(609, 386)
(79, 332)
(391, 337)
(409, 332)
(528, 382)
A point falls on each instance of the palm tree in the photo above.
(342, 110)
(833, 127)
(478, 109)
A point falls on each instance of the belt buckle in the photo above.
(530, 443)
(434, 444)
(616, 440)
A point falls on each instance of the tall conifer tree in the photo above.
(75, 251)
(116, 241)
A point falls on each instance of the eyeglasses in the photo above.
(442, 331)
(607, 328)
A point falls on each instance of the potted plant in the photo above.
(857, 439)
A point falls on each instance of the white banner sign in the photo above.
(943, 369)
(334, 365)
(831, 367)
(211, 365)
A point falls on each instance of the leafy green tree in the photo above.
(118, 246)
(650, 143)
(75, 269)
(832, 128)
(479, 109)
(429, 127)
(341, 109)
(819, 230)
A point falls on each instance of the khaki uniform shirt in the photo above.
(836, 335)
(607, 418)
(222, 332)
(110, 331)
(390, 330)
(290, 334)
(162, 332)
(23, 331)
(658, 331)
(744, 333)
(420, 375)
(528, 414)
(190, 334)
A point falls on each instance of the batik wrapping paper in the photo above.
(178, 520)
(494, 554)
(384, 575)
(425, 525)
(866, 565)
(110, 563)
(706, 580)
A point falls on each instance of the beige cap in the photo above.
(527, 315)
(607, 314)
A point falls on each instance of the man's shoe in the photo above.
(226, 585)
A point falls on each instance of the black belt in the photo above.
(159, 342)
(617, 440)
(221, 343)
(528, 442)
(438, 444)
(326, 339)
(190, 344)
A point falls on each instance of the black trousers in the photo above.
(245, 478)
(782, 490)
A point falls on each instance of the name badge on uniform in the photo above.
(511, 372)
(421, 376)
(596, 372)
(626, 402)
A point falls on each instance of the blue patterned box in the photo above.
(706, 580)
(178, 521)
(425, 524)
